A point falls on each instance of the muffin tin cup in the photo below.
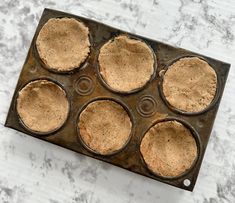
(213, 102)
(195, 136)
(124, 107)
(145, 106)
(38, 132)
(53, 70)
(104, 83)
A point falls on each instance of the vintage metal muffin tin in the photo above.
(146, 106)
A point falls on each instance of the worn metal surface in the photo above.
(145, 106)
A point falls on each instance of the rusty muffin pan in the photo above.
(145, 106)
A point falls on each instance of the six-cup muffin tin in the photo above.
(146, 106)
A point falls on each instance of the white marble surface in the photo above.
(32, 171)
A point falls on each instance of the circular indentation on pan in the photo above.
(84, 85)
(200, 122)
(146, 106)
(114, 81)
(209, 106)
(42, 106)
(33, 68)
(63, 44)
(105, 121)
(167, 139)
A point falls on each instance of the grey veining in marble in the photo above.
(32, 171)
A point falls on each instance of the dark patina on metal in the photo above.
(146, 106)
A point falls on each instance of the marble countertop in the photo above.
(33, 171)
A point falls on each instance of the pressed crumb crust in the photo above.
(63, 44)
(42, 106)
(126, 64)
(104, 126)
(168, 149)
(190, 84)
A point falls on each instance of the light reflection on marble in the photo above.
(33, 171)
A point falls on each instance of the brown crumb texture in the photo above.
(104, 126)
(63, 43)
(126, 64)
(190, 84)
(169, 149)
(42, 106)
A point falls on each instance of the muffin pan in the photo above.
(146, 106)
